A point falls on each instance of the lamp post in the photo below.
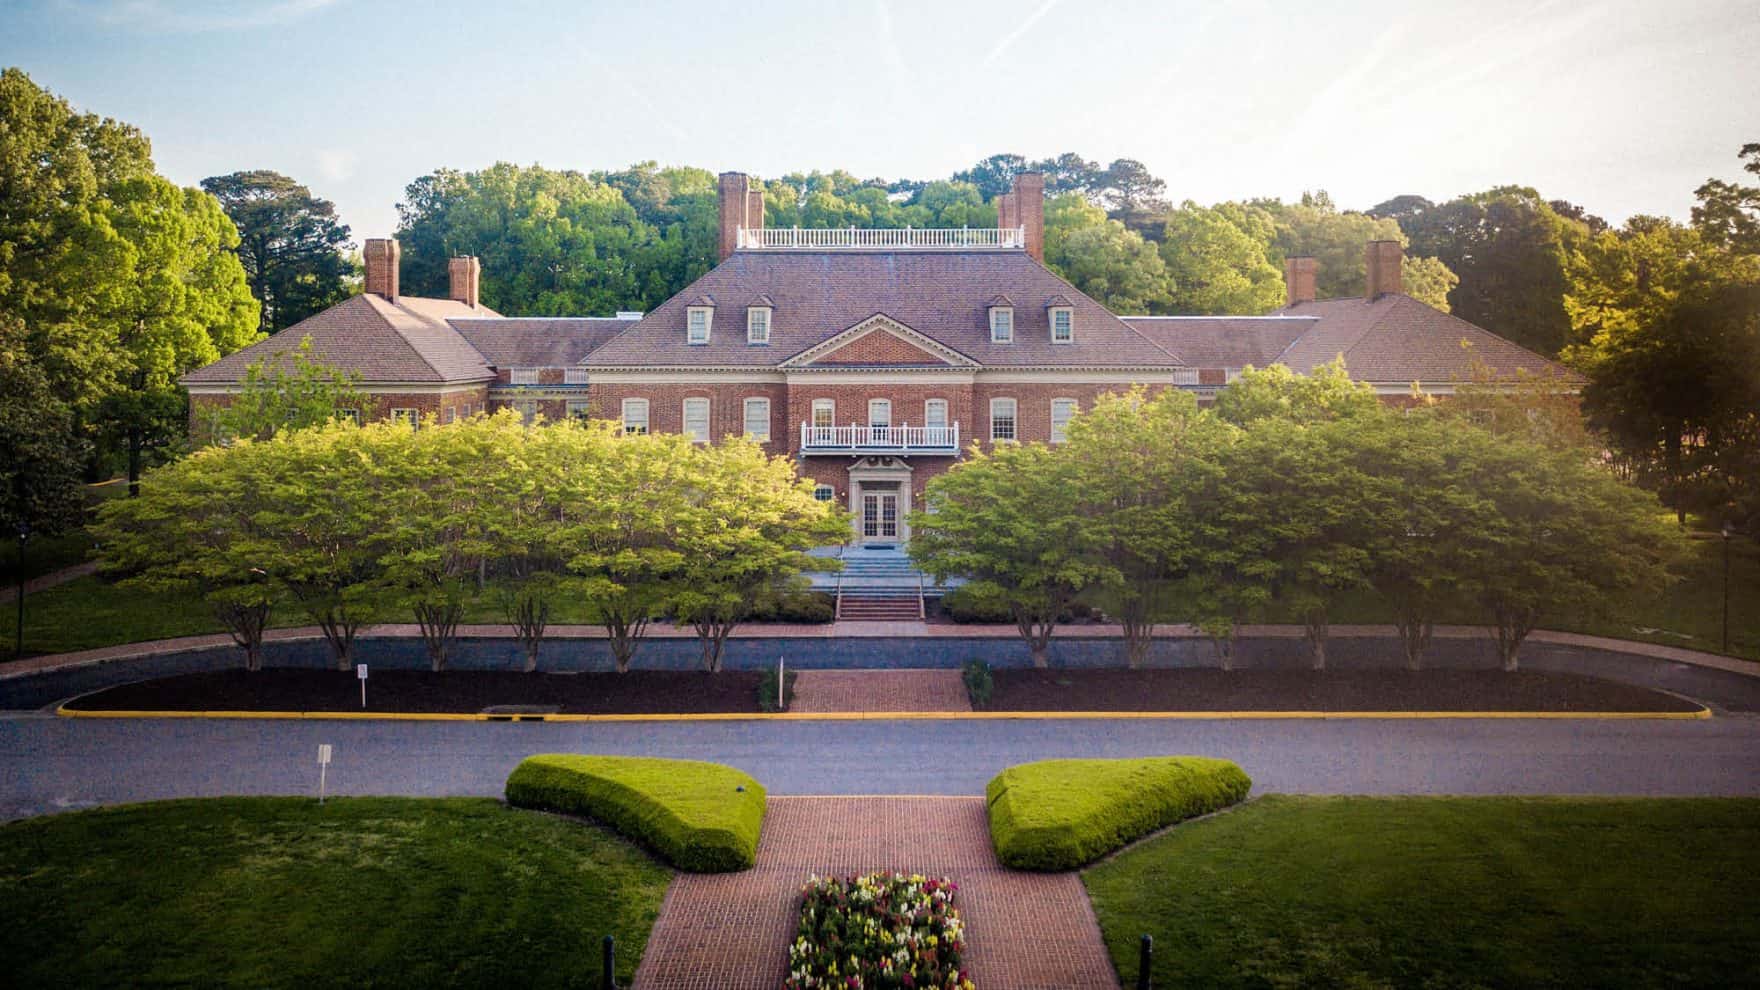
(24, 535)
(1729, 531)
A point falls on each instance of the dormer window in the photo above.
(1001, 324)
(1063, 324)
(757, 324)
(696, 324)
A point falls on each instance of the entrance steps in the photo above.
(880, 608)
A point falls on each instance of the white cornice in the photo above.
(878, 376)
(673, 375)
(1054, 376)
(370, 388)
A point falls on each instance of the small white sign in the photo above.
(323, 754)
(360, 671)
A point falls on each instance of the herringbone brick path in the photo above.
(1027, 931)
(880, 691)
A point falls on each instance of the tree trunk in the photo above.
(625, 636)
(1037, 633)
(1314, 630)
(438, 624)
(134, 461)
(712, 635)
(246, 623)
(1138, 631)
(1414, 636)
(1224, 646)
(339, 629)
(1513, 626)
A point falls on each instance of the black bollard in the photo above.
(1145, 954)
(608, 979)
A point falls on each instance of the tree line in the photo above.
(349, 525)
(1295, 491)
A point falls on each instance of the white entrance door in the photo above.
(879, 517)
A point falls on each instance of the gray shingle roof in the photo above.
(944, 295)
(1396, 338)
(1223, 341)
(531, 343)
(405, 341)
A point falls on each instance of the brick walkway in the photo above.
(49, 580)
(1027, 931)
(880, 691)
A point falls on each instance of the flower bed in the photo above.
(878, 932)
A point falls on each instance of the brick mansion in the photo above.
(873, 357)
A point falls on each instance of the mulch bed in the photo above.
(668, 692)
(1210, 689)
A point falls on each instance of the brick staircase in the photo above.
(879, 586)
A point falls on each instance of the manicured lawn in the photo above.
(1443, 892)
(51, 553)
(90, 612)
(279, 892)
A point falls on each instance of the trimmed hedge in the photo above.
(1061, 814)
(693, 814)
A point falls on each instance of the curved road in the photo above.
(52, 764)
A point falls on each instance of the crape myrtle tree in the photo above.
(1011, 519)
(525, 490)
(1141, 459)
(752, 522)
(196, 528)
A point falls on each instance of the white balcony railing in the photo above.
(815, 239)
(856, 437)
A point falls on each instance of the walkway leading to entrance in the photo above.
(731, 931)
(880, 691)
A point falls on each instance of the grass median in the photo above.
(280, 892)
(1443, 892)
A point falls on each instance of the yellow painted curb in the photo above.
(65, 712)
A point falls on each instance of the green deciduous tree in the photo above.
(1006, 518)
(1728, 213)
(1326, 393)
(291, 244)
(41, 454)
(284, 392)
(1102, 257)
(1217, 260)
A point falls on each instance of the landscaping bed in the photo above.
(1442, 892)
(666, 692)
(879, 931)
(284, 892)
(1210, 689)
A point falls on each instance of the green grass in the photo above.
(44, 554)
(701, 817)
(279, 892)
(1061, 814)
(1444, 893)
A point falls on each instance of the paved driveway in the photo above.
(47, 764)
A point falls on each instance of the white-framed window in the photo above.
(935, 413)
(696, 324)
(824, 493)
(412, 417)
(879, 420)
(352, 415)
(1002, 419)
(635, 415)
(824, 419)
(1063, 325)
(523, 376)
(1001, 324)
(757, 324)
(696, 419)
(527, 409)
(574, 376)
(449, 415)
(579, 409)
(757, 419)
(1062, 411)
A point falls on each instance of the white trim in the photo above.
(745, 409)
(574, 376)
(751, 314)
(1051, 321)
(684, 418)
(878, 322)
(1074, 411)
(369, 388)
(996, 311)
(624, 418)
(1075, 376)
(1269, 316)
(511, 393)
(944, 411)
(1014, 420)
(813, 412)
(689, 376)
(708, 313)
(879, 376)
(879, 403)
(530, 374)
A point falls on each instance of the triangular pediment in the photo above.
(880, 341)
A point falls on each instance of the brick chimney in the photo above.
(1381, 261)
(741, 206)
(381, 256)
(1299, 275)
(1028, 205)
(466, 272)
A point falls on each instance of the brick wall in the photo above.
(1032, 406)
(460, 402)
(726, 407)
(879, 347)
(852, 403)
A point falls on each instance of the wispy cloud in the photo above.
(1011, 37)
(203, 15)
(335, 164)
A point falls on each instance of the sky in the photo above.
(1623, 107)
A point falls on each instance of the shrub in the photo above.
(976, 602)
(803, 608)
(700, 817)
(880, 931)
(979, 683)
(767, 690)
(1061, 814)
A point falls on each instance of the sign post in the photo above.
(323, 765)
(360, 672)
(781, 684)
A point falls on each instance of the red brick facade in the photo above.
(879, 347)
(444, 404)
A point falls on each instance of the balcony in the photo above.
(858, 439)
(944, 238)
